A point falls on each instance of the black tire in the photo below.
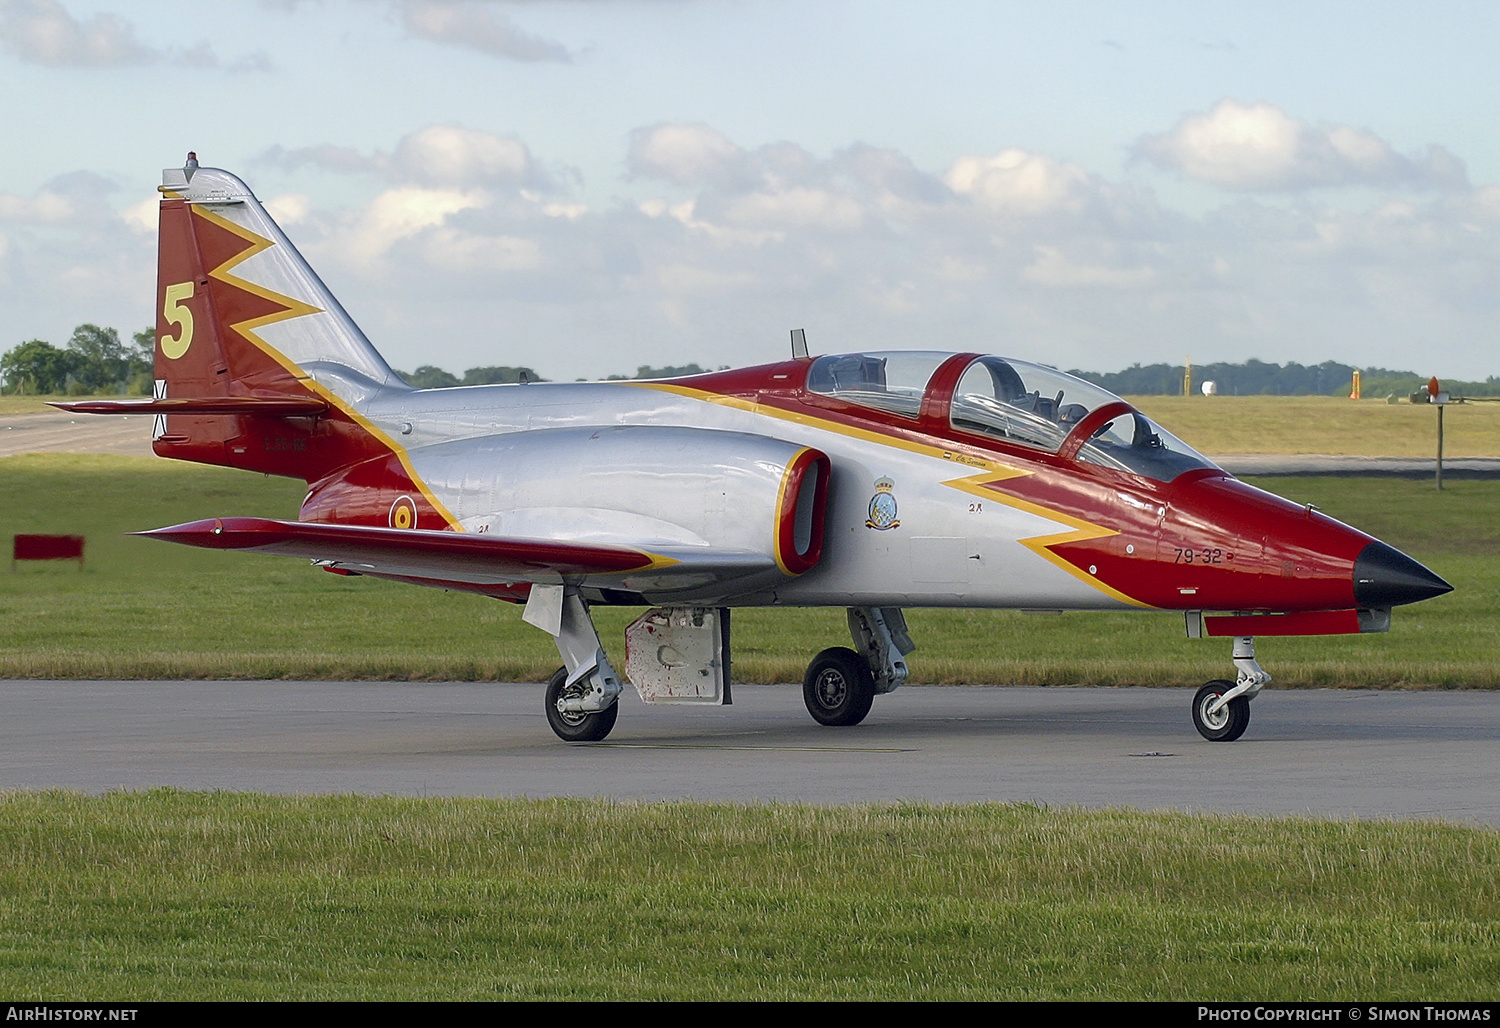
(1229, 723)
(838, 687)
(576, 726)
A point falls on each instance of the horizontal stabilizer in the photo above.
(456, 556)
(267, 406)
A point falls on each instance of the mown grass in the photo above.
(168, 895)
(175, 896)
(143, 609)
(28, 404)
(1260, 424)
(1325, 424)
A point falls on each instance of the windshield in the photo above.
(1040, 407)
(1133, 442)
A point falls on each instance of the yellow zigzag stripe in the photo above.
(1079, 530)
(1041, 545)
(296, 309)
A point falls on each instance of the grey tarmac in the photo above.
(1327, 753)
(59, 432)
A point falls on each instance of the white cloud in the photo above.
(797, 207)
(77, 198)
(1015, 182)
(451, 156)
(684, 154)
(1016, 252)
(143, 217)
(1054, 268)
(1261, 147)
(443, 156)
(397, 214)
(478, 27)
(469, 253)
(45, 207)
(43, 32)
(287, 209)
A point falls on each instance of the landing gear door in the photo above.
(680, 655)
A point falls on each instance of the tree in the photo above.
(486, 376)
(103, 361)
(141, 357)
(37, 367)
(670, 371)
(429, 377)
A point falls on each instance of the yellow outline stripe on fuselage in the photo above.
(297, 309)
(1079, 530)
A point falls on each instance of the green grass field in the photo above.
(1261, 424)
(169, 895)
(144, 609)
(1325, 424)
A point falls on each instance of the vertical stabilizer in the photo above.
(241, 314)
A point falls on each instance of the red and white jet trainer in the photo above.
(870, 481)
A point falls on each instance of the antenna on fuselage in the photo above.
(799, 343)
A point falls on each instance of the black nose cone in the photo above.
(1386, 577)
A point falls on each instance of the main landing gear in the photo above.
(840, 683)
(582, 694)
(1221, 709)
(575, 725)
(839, 686)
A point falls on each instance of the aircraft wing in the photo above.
(464, 559)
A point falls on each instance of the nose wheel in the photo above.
(1220, 722)
(1221, 709)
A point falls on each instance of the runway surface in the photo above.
(1334, 753)
(1357, 754)
(61, 432)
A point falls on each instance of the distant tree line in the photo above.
(670, 371)
(1258, 378)
(430, 377)
(94, 361)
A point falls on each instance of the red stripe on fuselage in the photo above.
(1204, 541)
(331, 451)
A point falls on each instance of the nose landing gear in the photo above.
(1221, 709)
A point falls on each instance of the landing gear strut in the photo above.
(582, 694)
(1221, 710)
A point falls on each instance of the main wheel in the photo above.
(838, 687)
(1229, 722)
(576, 725)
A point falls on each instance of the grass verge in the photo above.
(168, 895)
(141, 609)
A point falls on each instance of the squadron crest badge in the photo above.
(883, 506)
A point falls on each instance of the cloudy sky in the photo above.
(584, 186)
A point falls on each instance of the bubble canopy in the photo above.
(1015, 402)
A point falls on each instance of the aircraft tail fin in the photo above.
(257, 365)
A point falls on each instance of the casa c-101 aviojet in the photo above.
(872, 481)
